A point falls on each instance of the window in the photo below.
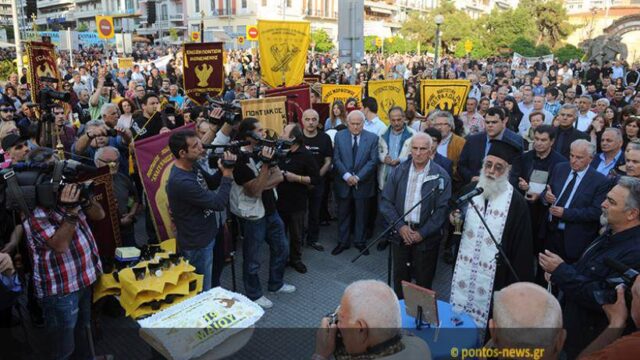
(197, 5)
(243, 4)
(264, 2)
(326, 8)
(164, 15)
(288, 3)
(213, 7)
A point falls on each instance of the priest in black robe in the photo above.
(479, 268)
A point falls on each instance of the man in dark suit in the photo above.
(567, 133)
(477, 146)
(355, 157)
(574, 195)
(444, 163)
(420, 231)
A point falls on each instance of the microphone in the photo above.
(466, 197)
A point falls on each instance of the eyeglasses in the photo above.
(499, 168)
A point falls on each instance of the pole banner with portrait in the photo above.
(283, 51)
(106, 231)
(388, 93)
(203, 70)
(155, 160)
(271, 112)
(331, 92)
(298, 100)
(42, 63)
(446, 95)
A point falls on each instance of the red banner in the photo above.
(203, 70)
(155, 161)
(298, 100)
(105, 231)
(42, 63)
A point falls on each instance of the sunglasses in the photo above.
(7, 110)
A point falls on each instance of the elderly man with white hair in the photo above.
(420, 231)
(479, 270)
(370, 323)
(526, 316)
(574, 194)
(355, 159)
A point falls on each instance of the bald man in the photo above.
(525, 315)
(369, 321)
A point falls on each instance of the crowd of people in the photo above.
(551, 152)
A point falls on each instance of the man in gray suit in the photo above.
(419, 233)
(355, 158)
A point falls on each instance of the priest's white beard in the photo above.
(493, 187)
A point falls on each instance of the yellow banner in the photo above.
(448, 95)
(388, 93)
(271, 112)
(125, 63)
(341, 92)
(283, 51)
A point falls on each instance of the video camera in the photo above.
(627, 276)
(40, 184)
(219, 150)
(46, 97)
(281, 149)
(232, 111)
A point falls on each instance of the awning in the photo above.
(380, 10)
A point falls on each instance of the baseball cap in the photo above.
(11, 140)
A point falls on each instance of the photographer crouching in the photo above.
(193, 204)
(66, 263)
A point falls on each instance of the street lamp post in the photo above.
(438, 19)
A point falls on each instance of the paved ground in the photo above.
(287, 330)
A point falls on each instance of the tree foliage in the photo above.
(322, 40)
(543, 23)
(568, 52)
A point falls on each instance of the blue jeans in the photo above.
(270, 229)
(67, 321)
(202, 260)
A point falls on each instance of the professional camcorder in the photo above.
(627, 276)
(281, 149)
(232, 111)
(40, 184)
(219, 150)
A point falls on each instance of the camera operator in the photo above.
(193, 204)
(16, 147)
(300, 172)
(101, 94)
(148, 122)
(583, 281)
(609, 345)
(368, 323)
(97, 135)
(253, 201)
(66, 264)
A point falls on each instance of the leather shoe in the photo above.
(299, 267)
(362, 247)
(316, 246)
(382, 244)
(338, 249)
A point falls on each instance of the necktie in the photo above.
(565, 194)
(354, 150)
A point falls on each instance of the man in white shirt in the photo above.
(372, 122)
(526, 106)
(585, 115)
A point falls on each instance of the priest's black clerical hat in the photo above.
(504, 150)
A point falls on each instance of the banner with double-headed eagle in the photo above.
(283, 51)
(42, 64)
(203, 70)
(447, 95)
(388, 93)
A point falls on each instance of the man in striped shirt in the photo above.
(65, 265)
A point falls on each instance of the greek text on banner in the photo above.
(447, 95)
(330, 93)
(271, 112)
(388, 93)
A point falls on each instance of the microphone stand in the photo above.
(389, 228)
(498, 246)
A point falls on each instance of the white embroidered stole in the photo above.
(474, 273)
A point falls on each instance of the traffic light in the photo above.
(151, 12)
(32, 8)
